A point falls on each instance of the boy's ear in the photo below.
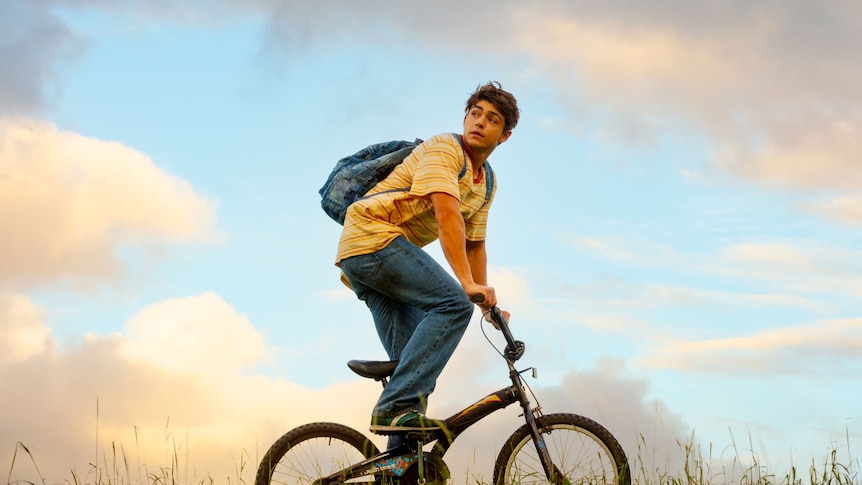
(505, 136)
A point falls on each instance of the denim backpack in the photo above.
(354, 175)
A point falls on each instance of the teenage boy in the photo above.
(421, 311)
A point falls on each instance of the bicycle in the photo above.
(559, 448)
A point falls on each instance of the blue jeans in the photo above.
(421, 313)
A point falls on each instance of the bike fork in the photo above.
(551, 471)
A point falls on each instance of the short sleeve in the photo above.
(438, 169)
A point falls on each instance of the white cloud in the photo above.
(604, 248)
(832, 347)
(811, 268)
(673, 295)
(796, 271)
(68, 203)
(195, 335)
(512, 288)
(176, 385)
(846, 209)
(23, 332)
(815, 154)
(773, 85)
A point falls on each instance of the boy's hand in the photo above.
(487, 313)
(482, 295)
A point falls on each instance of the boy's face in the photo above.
(484, 127)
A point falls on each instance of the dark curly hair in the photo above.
(493, 93)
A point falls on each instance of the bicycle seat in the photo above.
(373, 369)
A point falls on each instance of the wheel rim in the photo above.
(577, 453)
(310, 459)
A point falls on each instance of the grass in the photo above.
(113, 468)
(110, 471)
(698, 468)
(746, 469)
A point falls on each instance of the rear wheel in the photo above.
(582, 451)
(312, 451)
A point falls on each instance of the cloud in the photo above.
(774, 86)
(24, 333)
(34, 45)
(796, 267)
(181, 383)
(149, 396)
(818, 154)
(650, 433)
(797, 271)
(193, 335)
(68, 203)
(847, 209)
(831, 347)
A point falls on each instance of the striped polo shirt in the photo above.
(399, 205)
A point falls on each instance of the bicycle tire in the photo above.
(312, 451)
(582, 449)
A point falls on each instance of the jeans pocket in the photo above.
(361, 269)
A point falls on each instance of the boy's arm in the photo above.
(450, 228)
(478, 260)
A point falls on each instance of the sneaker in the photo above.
(409, 421)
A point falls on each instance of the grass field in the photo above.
(699, 467)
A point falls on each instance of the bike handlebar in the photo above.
(514, 348)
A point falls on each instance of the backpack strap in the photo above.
(489, 173)
(489, 181)
(464, 152)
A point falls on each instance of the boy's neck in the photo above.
(477, 159)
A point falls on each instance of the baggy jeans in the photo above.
(421, 313)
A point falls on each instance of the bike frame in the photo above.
(396, 461)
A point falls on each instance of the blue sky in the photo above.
(676, 230)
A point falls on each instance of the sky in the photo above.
(676, 230)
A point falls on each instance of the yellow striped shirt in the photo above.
(389, 211)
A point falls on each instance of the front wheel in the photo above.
(313, 451)
(581, 450)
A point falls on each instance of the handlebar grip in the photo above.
(497, 315)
